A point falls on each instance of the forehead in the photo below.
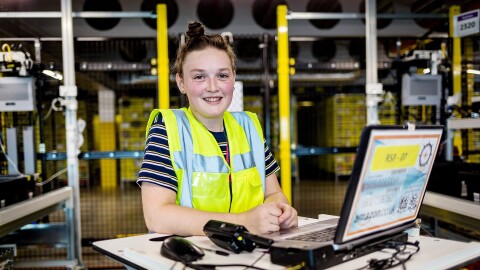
(207, 57)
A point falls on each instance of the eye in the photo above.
(198, 77)
(223, 76)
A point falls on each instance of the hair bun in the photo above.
(195, 29)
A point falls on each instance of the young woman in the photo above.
(204, 163)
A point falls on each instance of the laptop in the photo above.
(383, 198)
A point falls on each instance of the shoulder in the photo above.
(248, 120)
(161, 114)
(244, 116)
(158, 118)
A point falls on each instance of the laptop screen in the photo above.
(389, 179)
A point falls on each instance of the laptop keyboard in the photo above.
(316, 236)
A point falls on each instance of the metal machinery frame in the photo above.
(17, 215)
(455, 125)
(373, 89)
(452, 210)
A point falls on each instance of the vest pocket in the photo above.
(247, 190)
(210, 192)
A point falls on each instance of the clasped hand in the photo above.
(271, 217)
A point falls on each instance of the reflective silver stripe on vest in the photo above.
(243, 161)
(256, 146)
(184, 159)
(209, 164)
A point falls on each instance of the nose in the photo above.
(212, 85)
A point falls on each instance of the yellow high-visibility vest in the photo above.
(201, 169)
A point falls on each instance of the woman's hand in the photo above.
(263, 218)
(289, 217)
(270, 217)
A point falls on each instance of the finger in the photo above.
(269, 225)
(275, 211)
(291, 220)
(287, 212)
(273, 228)
(272, 219)
(284, 206)
(289, 223)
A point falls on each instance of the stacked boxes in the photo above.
(132, 121)
(419, 114)
(344, 121)
(387, 111)
(474, 144)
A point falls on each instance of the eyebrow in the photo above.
(203, 70)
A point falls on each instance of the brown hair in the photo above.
(196, 40)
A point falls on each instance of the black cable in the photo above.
(212, 266)
(258, 259)
(425, 230)
(173, 265)
(395, 259)
(198, 266)
(410, 254)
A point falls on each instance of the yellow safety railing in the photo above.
(456, 68)
(163, 73)
(284, 101)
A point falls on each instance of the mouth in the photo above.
(212, 99)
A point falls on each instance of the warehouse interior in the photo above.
(93, 83)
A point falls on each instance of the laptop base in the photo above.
(324, 255)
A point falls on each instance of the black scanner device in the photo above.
(180, 249)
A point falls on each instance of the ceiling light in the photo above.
(473, 71)
(54, 74)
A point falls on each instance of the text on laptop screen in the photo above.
(393, 179)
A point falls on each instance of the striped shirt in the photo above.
(157, 166)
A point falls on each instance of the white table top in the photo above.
(434, 253)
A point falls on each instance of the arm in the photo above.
(162, 215)
(273, 193)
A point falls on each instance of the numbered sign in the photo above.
(467, 23)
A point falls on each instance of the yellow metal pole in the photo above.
(468, 55)
(456, 68)
(163, 74)
(284, 101)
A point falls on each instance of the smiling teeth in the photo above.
(211, 99)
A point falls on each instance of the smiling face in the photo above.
(207, 80)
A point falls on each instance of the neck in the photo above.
(212, 124)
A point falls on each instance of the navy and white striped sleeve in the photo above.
(157, 166)
(271, 165)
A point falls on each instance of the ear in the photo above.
(180, 83)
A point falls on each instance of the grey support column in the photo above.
(69, 92)
(373, 88)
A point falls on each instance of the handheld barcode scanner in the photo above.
(233, 237)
